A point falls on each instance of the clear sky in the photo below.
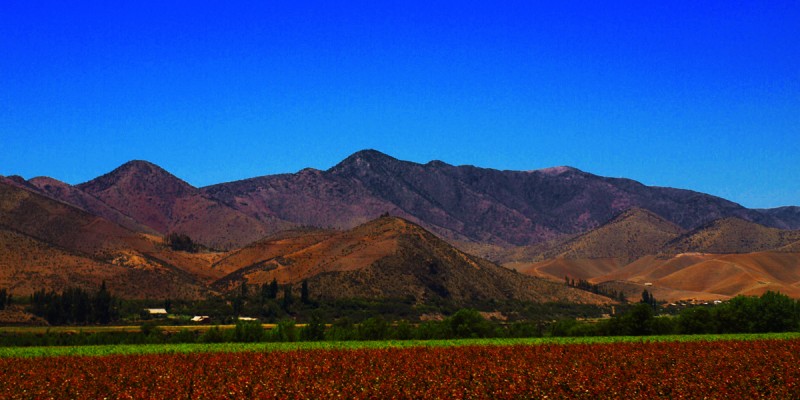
(691, 94)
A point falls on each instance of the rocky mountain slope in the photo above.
(507, 208)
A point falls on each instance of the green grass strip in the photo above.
(56, 351)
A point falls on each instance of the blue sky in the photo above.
(696, 95)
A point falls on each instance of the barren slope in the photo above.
(28, 264)
(723, 274)
(391, 257)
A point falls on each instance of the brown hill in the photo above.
(732, 235)
(721, 259)
(267, 249)
(557, 269)
(722, 274)
(53, 245)
(28, 264)
(631, 235)
(392, 257)
(161, 201)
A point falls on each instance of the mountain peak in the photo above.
(139, 176)
(363, 160)
(140, 166)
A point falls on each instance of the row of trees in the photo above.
(74, 306)
(772, 312)
(465, 323)
(261, 302)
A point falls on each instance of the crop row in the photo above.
(170, 348)
(718, 369)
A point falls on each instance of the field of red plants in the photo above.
(716, 369)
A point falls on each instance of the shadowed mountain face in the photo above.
(470, 203)
(788, 217)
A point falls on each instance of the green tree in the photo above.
(342, 329)
(314, 330)
(402, 331)
(304, 293)
(696, 320)
(736, 315)
(237, 304)
(373, 328)
(248, 331)
(102, 304)
(272, 293)
(775, 312)
(181, 242)
(637, 320)
(285, 331)
(213, 335)
(287, 297)
(469, 323)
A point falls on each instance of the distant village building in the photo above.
(201, 318)
(156, 311)
(247, 319)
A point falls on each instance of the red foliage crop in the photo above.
(719, 369)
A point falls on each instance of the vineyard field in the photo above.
(731, 369)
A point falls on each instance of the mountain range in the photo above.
(331, 229)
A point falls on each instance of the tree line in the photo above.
(771, 312)
(74, 306)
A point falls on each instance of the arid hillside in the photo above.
(392, 257)
(732, 235)
(721, 259)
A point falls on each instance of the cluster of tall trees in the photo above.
(5, 298)
(267, 296)
(181, 242)
(74, 306)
